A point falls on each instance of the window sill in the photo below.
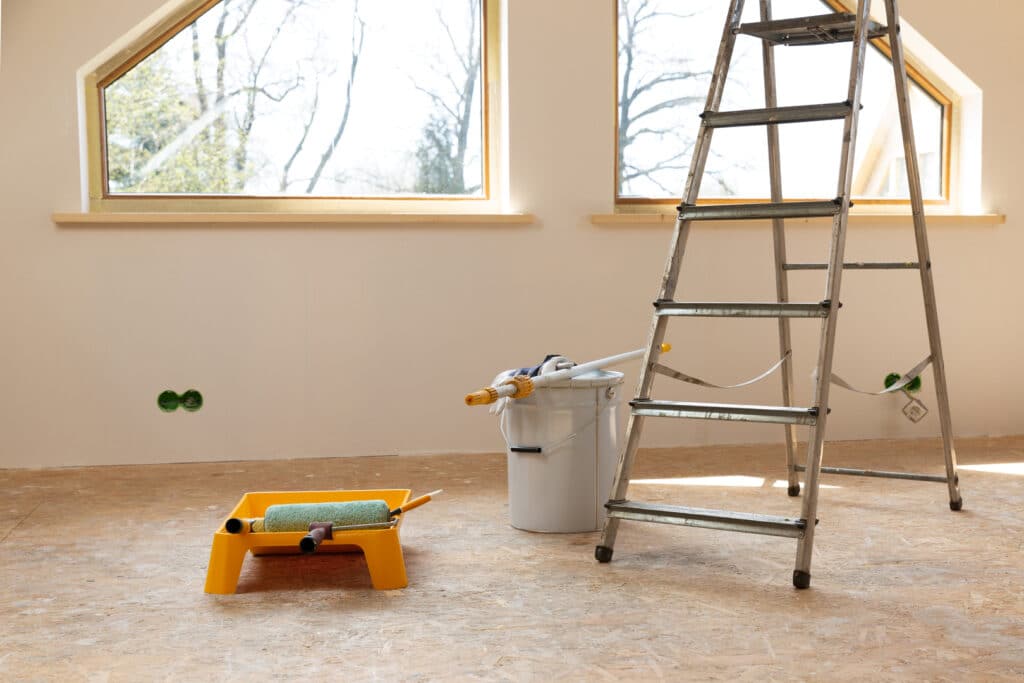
(860, 219)
(282, 218)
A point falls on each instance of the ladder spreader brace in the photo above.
(829, 28)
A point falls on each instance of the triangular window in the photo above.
(303, 98)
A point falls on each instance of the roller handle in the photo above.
(415, 503)
(519, 386)
(482, 397)
(236, 525)
(522, 386)
(318, 531)
(491, 394)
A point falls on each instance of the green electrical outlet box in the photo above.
(191, 400)
(913, 387)
(169, 401)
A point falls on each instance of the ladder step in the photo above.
(724, 212)
(725, 411)
(732, 309)
(826, 28)
(878, 473)
(770, 525)
(857, 265)
(797, 114)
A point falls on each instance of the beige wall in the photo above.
(362, 340)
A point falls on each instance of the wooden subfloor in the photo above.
(102, 574)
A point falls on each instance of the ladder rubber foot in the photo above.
(794, 491)
(956, 505)
(603, 553)
(801, 579)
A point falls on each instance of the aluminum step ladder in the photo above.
(858, 29)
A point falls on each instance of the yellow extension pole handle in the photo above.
(519, 386)
(482, 397)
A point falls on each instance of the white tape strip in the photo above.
(675, 374)
(908, 377)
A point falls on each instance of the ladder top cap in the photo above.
(815, 30)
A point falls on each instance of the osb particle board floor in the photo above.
(103, 568)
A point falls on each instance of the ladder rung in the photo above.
(878, 473)
(797, 114)
(771, 525)
(733, 309)
(725, 411)
(825, 28)
(722, 212)
(856, 265)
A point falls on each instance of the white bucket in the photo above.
(563, 444)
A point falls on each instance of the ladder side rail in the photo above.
(923, 257)
(826, 350)
(779, 249)
(656, 336)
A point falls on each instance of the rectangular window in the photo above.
(299, 98)
(666, 53)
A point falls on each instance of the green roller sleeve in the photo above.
(298, 516)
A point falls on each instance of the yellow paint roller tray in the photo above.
(381, 547)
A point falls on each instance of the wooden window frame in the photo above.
(152, 38)
(628, 204)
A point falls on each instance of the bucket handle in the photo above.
(551, 446)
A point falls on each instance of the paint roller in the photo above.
(522, 386)
(321, 520)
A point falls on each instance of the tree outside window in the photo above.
(335, 98)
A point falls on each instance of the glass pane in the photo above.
(306, 98)
(667, 51)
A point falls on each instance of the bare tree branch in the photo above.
(255, 70)
(645, 98)
(451, 39)
(667, 104)
(438, 100)
(197, 70)
(358, 30)
(302, 139)
(443, 149)
(241, 20)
